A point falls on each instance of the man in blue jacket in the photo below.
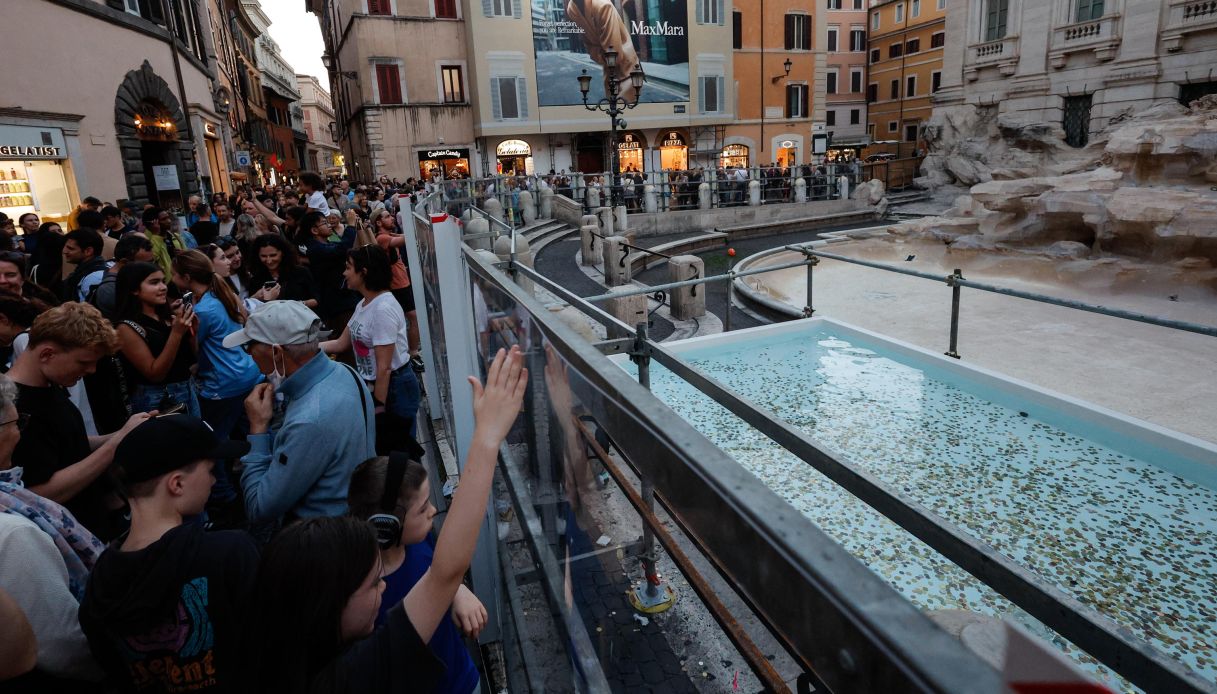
(303, 467)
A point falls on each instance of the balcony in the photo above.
(1102, 36)
(1188, 17)
(1001, 53)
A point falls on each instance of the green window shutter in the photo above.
(496, 106)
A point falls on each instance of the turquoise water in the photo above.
(1121, 534)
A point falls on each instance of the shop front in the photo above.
(629, 152)
(673, 151)
(787, 153)
(734, 156)
(446, 162)
(514, 157)
(35, 174)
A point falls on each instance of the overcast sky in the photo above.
(298, 35)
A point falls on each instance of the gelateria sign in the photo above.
(36, 152)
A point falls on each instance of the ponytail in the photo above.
(197, 266)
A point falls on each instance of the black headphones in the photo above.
(386, 523)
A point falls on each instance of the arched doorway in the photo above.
(734, 156)
(673, 150)
(515, 157)
(153, 140)
(630, 146)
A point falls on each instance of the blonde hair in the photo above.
(74, 325)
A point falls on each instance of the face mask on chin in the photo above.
(276, 376)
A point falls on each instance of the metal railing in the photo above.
(838, 619)
(1104, 639)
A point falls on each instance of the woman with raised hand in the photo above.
(154, 338)
(319, 634)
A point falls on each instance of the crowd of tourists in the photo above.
(209, 478)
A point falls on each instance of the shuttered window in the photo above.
(445, 9)
(509, 98)
(737, 30)
(857, 40)
(796, 101)
(712, 94)
(388, 83)
(381, 7)
(938, 40)
(798, 33)
(501, 8)
(832, 40)
(830, 82)
(709, 11)
(855, 81)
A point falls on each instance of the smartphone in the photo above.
(174, 409)
(188, 299)
(269, 285)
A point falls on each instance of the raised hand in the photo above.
(496, 405)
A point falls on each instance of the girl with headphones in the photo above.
(320, 581)
(393, 494)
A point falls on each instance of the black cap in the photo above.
(164, 444)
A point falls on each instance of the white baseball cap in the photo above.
(279, 323)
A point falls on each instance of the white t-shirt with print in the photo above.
(378, 322)
(316, 201)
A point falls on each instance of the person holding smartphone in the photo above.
(154, 338)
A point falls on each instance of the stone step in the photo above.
(555, 232)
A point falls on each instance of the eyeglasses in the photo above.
(22, 420)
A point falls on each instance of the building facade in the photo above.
(906, 44)
(281, 99)
(251, 132)
(779, 55)
(498, 90)
(845, 88)
(322, 153)
(525, 58)
(141, 107)
(395, 106)
(1079, 63)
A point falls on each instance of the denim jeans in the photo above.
(404, 395)
(227, 419)
(145, 398)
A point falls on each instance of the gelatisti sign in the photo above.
(570, 36)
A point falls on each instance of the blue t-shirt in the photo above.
(461, 676)
(223, 373)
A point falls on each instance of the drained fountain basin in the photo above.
(1117, 512)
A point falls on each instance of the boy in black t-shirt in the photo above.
(60, 461)
(163, 606)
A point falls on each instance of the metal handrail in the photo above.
(864, 636)
(1097, 634)
(957, 280)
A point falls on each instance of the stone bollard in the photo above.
(528, 212)
(494, 208)
(478, 226)
(630, 310)
(502, 249)
(605, 214)
(843, 184)
(616, 272)
(754, 193)
(650, 201)
(592, 244)
(800, 190)
(590, 219)
(547, 203)
(687, 302)
(703, 196)
(467, 215)
(620, 219)
(593, 197)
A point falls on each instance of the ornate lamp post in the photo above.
(614, 105)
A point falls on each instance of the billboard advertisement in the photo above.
(570, 36)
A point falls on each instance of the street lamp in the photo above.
(614, 105)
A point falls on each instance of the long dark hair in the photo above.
(287, 265)
(308, 573)
(130, 277)
(196, 265)
(227, 242)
